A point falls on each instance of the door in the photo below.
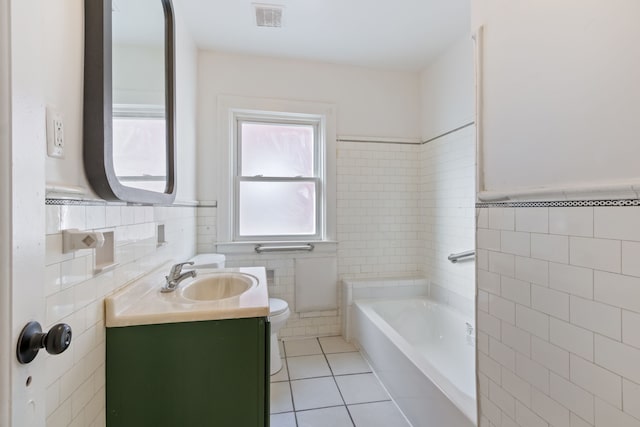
(22, 221)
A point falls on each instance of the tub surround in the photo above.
(142, 303)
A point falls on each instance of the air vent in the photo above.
(268, 15)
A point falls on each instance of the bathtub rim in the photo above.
(467, 404)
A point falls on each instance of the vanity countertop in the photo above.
(142, 303)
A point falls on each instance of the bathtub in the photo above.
(424, 354)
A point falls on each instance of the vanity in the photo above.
(197, 356)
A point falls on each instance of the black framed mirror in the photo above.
(129, 100)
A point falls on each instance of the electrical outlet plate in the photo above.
(55, 133)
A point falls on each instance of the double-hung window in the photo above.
(278, 177)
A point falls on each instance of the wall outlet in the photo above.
(55, 133)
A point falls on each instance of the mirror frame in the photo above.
(98, 107)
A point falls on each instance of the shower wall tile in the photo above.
(575, 340)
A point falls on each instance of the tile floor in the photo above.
(325, 382)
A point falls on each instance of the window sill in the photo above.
(323, 246)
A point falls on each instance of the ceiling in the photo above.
(385, 34)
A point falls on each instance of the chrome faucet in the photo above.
(176, 276)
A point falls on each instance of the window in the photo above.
(278, 177)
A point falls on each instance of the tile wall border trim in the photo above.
(52, 201)
(560, 204)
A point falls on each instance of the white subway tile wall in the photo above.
(75, 380)
(569, 356)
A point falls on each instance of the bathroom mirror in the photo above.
(129, 99)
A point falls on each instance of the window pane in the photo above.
(139, 152)
(277, 208)
(277, 150)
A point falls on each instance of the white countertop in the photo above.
(142, 303)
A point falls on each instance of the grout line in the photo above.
(337, 386)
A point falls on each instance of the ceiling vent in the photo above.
(268, 15)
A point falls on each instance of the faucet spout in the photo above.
(176, 276)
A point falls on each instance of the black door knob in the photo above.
(32, 339)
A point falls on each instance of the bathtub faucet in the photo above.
(469, 328)
(176, 276)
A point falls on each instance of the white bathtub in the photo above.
(422, 352)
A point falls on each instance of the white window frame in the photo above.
(231, 107)
(318, 177)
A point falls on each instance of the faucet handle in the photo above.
(177, 268)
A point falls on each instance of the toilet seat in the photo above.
(277, 306)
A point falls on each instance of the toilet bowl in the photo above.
(278, 315)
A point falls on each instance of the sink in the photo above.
(218, 286)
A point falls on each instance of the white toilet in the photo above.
(278, 315)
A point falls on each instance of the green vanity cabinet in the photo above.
(191, 374)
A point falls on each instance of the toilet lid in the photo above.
(277, 306)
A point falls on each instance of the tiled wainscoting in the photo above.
(559, 316)
(75, 379)
(326, 382)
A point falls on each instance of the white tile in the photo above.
(572, 338)
(379, 414)
(482, 218)
(489, 282)
(53, 250)
(571, 279)
(601, 382)
(617, 290)
(483, 301)
(516, 338)
(550, 247)
(607, 415)
(631, 398)
(112, 216)
(572, 221)
(336, 345)
(335, 417)
(73, 217)
(550, 356)
(502, 219)
(52, 214)
(622, 223)
(617, 357)
(304, 347)
(95, 217)
(347, 363)
(576, 399)
(550, 410)
(502, 399)
(516, 290)
(287, 419)
(489, 324)
(576, 421)
(501, 263)
(488, 239)
(502, 354)
(308, 367)
(550, 302)
(488, 367)
(315, 393)
(516, 386)
(533, 373)
(533, 220)
(596, 317)
(532, 270)
(532, 321)
(282, 374)
(631, 328)
(51, 279)
(361, 388)
(630, 257)
(526, 417)
(598, 254)
(280, 395)
(516, 243)
(502, 309)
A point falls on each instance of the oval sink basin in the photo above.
(218, 286)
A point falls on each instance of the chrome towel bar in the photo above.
(462, 255)
(265, 248)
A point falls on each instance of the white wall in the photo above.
(560, 83)
(62, 35)
(369, 102)
(447, 90)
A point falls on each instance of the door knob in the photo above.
(32, 339)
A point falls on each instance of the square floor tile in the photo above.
(347, 363)
(336, 345)
(326, 417)
(282, 374)
(308, 367)
(315, 393)
(361, 388)
(287, 419)
(280, 398)
(379, 414)
(305, 347)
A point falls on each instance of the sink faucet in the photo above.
(176, 276)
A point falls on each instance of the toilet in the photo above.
(278, 315)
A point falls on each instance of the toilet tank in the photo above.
(207, 261)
